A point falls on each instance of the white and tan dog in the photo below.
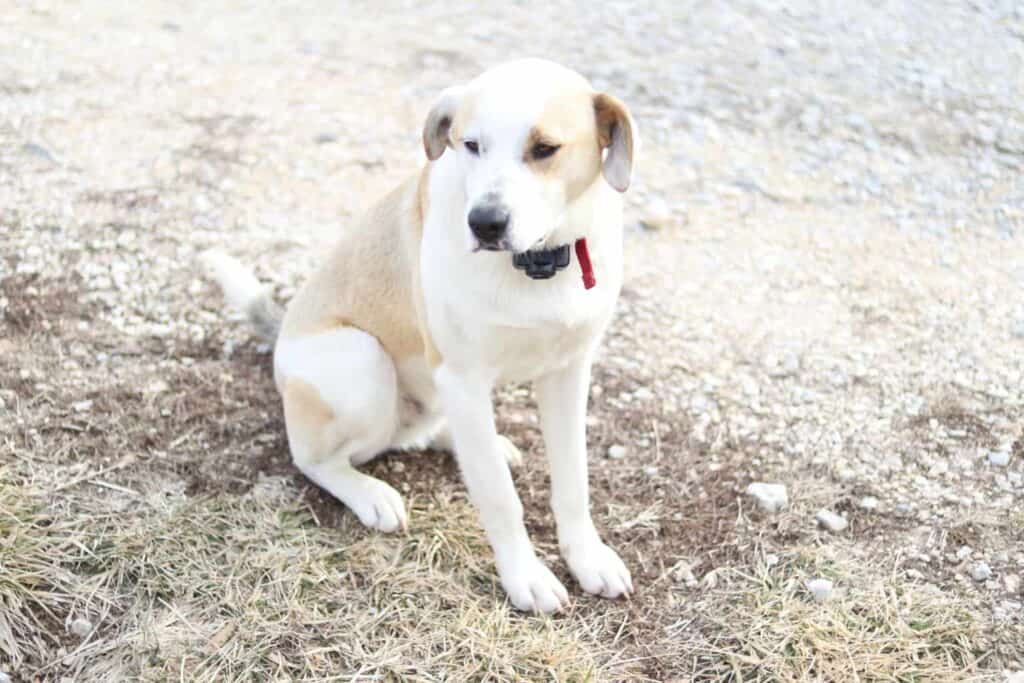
(399, 339)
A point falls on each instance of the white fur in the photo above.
(492, 324)
(240, 286)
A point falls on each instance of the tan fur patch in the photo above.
(367, 282)
(568, 120)
(308, 418)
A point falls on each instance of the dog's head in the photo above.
(530, 137)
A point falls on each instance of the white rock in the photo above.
(981, 572)
(643, 394)
(963, 552)
(81, 406)
(81, 627)
(657, 215)
(1012, 583)
(999, 458)
(769, 497)
(868, 503)
(651, 471)
(821, 589)
(617, 452)
(831, 521)
(683, 574)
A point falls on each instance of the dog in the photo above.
(500, 260)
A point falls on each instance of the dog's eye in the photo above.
(472, 146)
(542, 150)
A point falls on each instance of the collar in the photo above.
(543, 264)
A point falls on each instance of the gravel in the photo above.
(999, 458)
(769, 497)
(617, 452)
(81, 627)
(820, 589)
(981, 572)
(831, 521)
(869, 503)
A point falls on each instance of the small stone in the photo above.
(643, 394)
(157, 386)
(831, 521)
(617, 452)
(81, 627)
(868, 503)
(651, 471)
(657, 215)
(769, 497)
(398, 466)
(81, 406)
(821, 589)
(999, 458)
(1011, 582)
(683, 574)
(963, 552)
(981, 572)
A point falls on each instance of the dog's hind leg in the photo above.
(341, 408)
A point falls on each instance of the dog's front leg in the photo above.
(562, 399)
(467, 403)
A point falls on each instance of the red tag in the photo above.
(584, 257)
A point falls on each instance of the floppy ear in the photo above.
(439, 122)
(616, 132)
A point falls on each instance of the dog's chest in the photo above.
(512, 327)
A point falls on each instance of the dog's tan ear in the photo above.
(617, 133)
(439, 122)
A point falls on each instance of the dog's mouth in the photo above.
(500, 245)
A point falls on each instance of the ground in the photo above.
(827, 295)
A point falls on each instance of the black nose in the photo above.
(488, 223)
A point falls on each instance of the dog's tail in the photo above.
(244, 292)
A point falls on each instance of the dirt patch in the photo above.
(37, 303)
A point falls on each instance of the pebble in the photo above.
(999, 458)
(81, 406)
(81, 627)
(651, 471)
(657, 215)
(868, 503)
(981, 572)
(821, 589)
(617, 452)
(683, 574)
(1011, 582)
(831, 521)
(769, 497)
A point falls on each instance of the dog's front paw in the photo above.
(598, 569)
(377, 505)
(531, 586)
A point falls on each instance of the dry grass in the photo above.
(251, 588)
(873, 628)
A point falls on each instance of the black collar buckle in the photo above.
(542, 264)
